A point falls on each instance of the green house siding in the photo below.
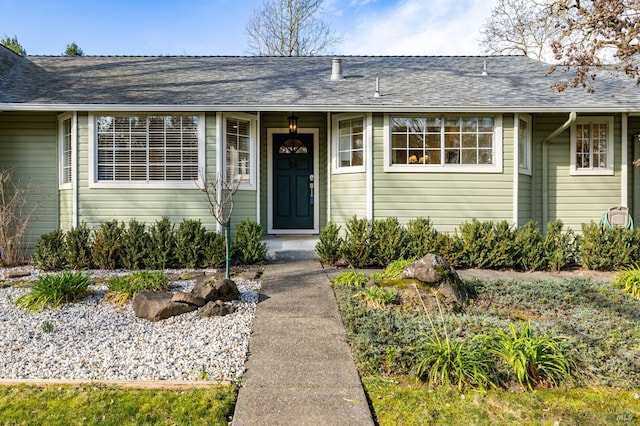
(448, 199)
(348, 197)
(524, 199)
(96, 205)
(66, 209)
(573, 199)
(634, 171)
(28, 145)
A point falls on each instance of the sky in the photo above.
(217, 27)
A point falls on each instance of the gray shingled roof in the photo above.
(514, 83)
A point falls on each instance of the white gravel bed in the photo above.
(95, 340)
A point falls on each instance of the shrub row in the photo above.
(485, 245)
(138, 246)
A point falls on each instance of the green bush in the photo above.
(162, 240)
(107, 245)
(529, 248)
(628, 280)
(135, 245)
(190, 243)
(215, 250)
(351, 278)
(487, 245)
(463, 363)
(329, 246)
(247, 245)
(422, 239)
(559, 247)
(54, 290)
(534, 360)
(79, 247)
(607, 248)
(357, 248)
(122, 289)
(388, 240)
(49, 251)
(393, 270)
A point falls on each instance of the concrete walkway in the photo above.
(300, 370)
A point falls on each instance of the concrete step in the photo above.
(291, 247)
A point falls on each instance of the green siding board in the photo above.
(447, 198)
(28, 145)
(348, 197)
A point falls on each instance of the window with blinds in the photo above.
(147, 148)
(65, 151)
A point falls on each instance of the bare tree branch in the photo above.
(289, 28)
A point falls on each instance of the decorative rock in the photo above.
(436, 273)
(157, 305)
(215, 309)
(191, 299)
(214, 289)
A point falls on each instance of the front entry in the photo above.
(293, 181)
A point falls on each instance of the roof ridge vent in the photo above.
(336, 69)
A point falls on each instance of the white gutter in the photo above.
(545, 166)
(372, 107)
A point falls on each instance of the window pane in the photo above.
(141, 147)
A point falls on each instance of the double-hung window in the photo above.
(141, 150)
(240, 136)
(66, 143)
(351, 132)
(524, 135)
(592, 148)
(445, 143)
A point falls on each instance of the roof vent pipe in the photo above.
(336, 69)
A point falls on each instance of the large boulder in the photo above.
(216, 289)
(158, 305)
(190, 298)
(436, 274)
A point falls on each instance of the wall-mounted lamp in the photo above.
(293, 124)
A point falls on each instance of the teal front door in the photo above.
(293, 181)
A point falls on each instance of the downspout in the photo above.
(545, 167)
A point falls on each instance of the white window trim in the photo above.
(599, 171)
(366, 143)
(253, 148)
(527, 169)
(496, 167)
(61, 118)
(93, 169)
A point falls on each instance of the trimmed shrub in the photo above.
(357, 248)
(422, 238)
(487, 244)
(107, 244)
(329, 246)
(54, 290)
(49, 251)
(559, 247)
(79, 247)
(190, 243)
(247, 245)
(388, 240)
(215, 250)
(135, 245)
(162, 241)
(607, 248)
(528, 244)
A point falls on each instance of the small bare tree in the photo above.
(289, 28)
(219, 194)
(15, 213)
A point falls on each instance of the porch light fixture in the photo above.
(293, 124)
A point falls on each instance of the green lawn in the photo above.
(402, 401)
(109, 405)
